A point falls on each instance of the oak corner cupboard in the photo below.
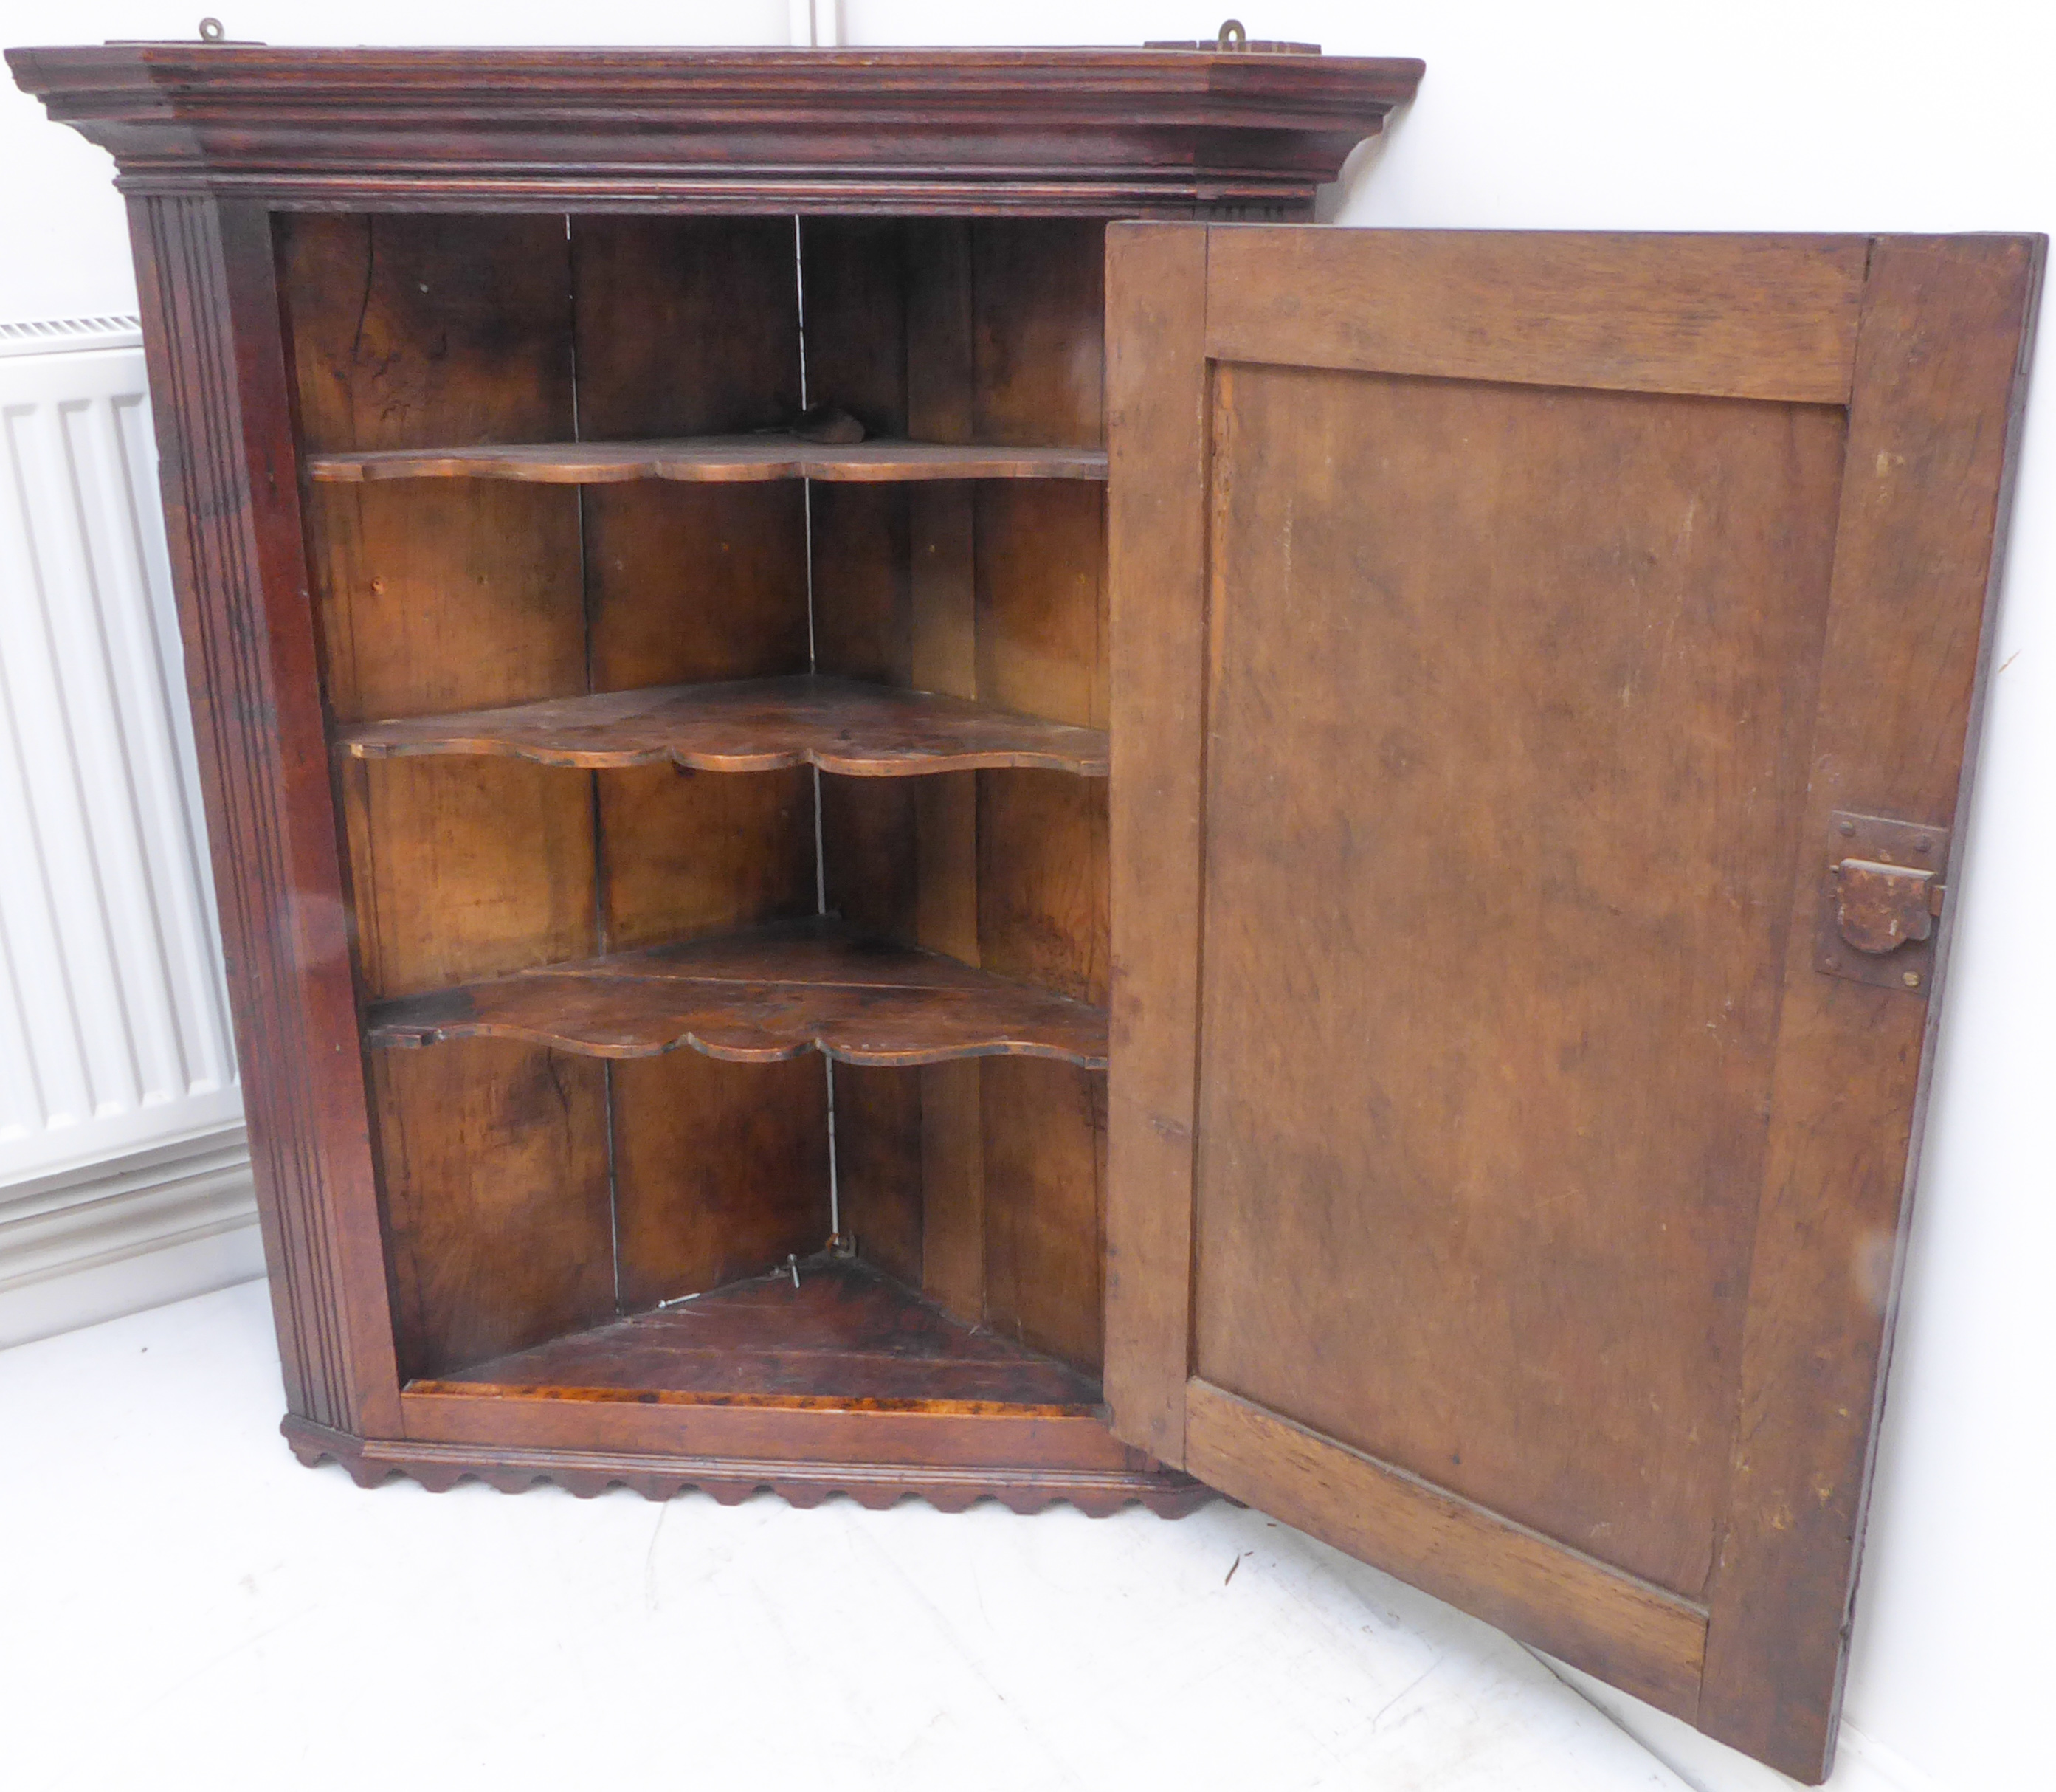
(910, 797)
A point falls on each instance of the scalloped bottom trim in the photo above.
(729, 1480)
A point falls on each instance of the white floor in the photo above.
(181, 1604)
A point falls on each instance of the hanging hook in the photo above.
(211, 31)
(1233, 35)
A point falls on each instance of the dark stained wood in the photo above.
(1100, 132)
(890, 334)
(826, 1453)
(861, 570)
(418, 313)
(1041, 605)
(1546, 1195)
(1650, 1641)
(845, 1334)
(685, 326)
(493, 1161)
(219, 382)
(853, 729)
(759, 998)
(953, 1199)
(403, 329)
(1735, 316)
(1156, 407)
(1038, 641)
(1042, 880)
(688, 853)
(849, 1434)
(689, 327)
(940, 309)
(855, 278)
(463, 868)
(720, 1169)
(1537, 1204)
(868, 856)
(496, 1204)
(1046, 1240)
(1037, 292)
(878, 1166)
(714, 460)
(1934, 425)
(859, 280)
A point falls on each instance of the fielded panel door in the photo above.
(1542, 671)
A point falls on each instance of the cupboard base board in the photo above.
(876, 1485)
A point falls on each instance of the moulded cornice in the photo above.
(1108, 130)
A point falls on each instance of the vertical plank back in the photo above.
(688, 325)
(408, 331)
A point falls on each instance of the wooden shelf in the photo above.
(846, 1335)
(756, 998)
(859, 730)
(714, 460)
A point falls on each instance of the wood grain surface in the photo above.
(602, 252)
(853, 729)
(1934, 425)
(690, 326)
(757, 998)
(1157, 411)
(221, 385)
(1644, 1639)
(1735, 317)
(1096, 133)
(1536, 1172)
(817, 1454)
(720, 1169)
(1523, 1041)
(844, 1334)
(495, 1186)
(714, 461)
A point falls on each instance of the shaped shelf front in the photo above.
(715, 460)
(756, 998)
(753, 725)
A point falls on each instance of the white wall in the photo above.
(1733, 114)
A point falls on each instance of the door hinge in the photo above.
(1881, 895)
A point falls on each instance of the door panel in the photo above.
(1508, 718)
(1499, 1186)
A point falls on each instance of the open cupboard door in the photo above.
(1542, 670)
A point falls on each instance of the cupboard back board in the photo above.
(1543, 666)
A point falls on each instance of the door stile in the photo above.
(1158, 415)
(1941, 359)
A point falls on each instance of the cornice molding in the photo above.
(1114, 132)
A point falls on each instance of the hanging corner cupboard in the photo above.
(895, 811)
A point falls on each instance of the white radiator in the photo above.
(121, 1115)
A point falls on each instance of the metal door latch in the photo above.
(1881, 895)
